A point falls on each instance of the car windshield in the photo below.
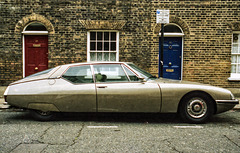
(142, 73)
(40, 73)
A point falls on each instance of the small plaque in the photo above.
(162, 16)
(169, 70)
(36, 45)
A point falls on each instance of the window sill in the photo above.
(233, 79)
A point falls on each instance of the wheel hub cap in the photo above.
(197, 108)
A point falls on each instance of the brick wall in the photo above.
(207, 25)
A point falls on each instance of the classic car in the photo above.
(115, 87)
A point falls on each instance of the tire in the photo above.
(196, 108)
(42, 116)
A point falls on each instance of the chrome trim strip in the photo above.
(235, 101)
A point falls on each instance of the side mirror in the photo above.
(142, 79)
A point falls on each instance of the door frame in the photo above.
(175, 35)
(23, 42)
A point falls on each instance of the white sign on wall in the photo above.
(163, 16)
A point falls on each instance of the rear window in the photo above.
(40, 73)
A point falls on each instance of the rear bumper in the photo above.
(225, 105)
(5, 103)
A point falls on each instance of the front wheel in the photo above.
(42, 116)
(196, 108)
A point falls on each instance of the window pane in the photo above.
(92, 35)
(79, 74)
(106, 56)
(109, 73)
(106, 35)
(141, 72)
(113, 36)
(92, 46)
(113, 46)
(172, 29)
(99, 56)
(131, 75)
(93, 56)
(234, 59)
(238, 68)
(36, 27)
(106, 46)
(233, 69)
(235, 48)
(99, 35)
(236, 38)
(238, 59)
(40, 73)
(112, 56)
(99, 46)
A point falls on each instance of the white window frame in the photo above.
(88, 43)
(235, 76)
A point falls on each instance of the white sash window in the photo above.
(103, 46)
(235, 59)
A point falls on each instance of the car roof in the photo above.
(83, 63)
(63, 67)
(58, 70)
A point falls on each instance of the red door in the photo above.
(36, 54)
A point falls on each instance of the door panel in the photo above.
(77, 90)
(70, 97)
(172, 55)
(36, 54)
(115, 92)
(128, 97)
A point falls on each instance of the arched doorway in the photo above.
(172, 51)
(35, 48)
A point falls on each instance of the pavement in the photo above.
(235, 91)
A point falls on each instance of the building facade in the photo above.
(201, 40)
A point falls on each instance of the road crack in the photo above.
(16, 147)
(171, 146)
(42, 136)
(78, 135)
(33, 141)
(231, 141)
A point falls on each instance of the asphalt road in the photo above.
(118, 133)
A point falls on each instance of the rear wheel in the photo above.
(196, 108)
(42, 116)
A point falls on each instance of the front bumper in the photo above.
(233, 102)
(225, 105)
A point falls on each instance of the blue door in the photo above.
(172, 55)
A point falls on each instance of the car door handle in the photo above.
(101, 86)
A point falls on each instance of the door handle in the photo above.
(101, 86)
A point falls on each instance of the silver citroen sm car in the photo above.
(114, 87)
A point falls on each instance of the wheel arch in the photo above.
(198, 92)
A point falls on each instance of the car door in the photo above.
(117, 93)
(76, 90)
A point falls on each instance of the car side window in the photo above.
(131, 75)
(79, 74)
(109, 73)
